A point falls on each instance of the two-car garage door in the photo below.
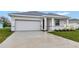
(27, 25)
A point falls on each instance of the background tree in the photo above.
(6, 21)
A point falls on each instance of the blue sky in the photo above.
(72, 14)
(5, 13)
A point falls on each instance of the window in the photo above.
(57, 22)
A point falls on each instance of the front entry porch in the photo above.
(47, 23)
(50, 24)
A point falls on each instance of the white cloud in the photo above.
(63, 13)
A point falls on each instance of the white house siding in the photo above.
(63, 23)
(52, 27)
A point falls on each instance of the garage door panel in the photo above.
(27, 25)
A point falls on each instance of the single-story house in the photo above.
(36, 20)
(74, 22)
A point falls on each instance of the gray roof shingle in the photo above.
(37, 13)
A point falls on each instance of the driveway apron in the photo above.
(37, 39)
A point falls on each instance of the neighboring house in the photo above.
(1, 24)
(74, 22)
(35, 20)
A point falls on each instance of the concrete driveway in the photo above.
(37, 39)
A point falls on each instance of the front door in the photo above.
(43, 24)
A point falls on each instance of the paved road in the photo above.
(37, 39)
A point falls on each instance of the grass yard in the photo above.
(72, 35)
(4, 33)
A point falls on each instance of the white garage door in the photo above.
(27, 25)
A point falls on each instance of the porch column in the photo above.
(45, 23)
(53, 24)
(67, 22)
(13, 24)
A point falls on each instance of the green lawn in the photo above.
(4, 33)
(72, 35)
